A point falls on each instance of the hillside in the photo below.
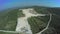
(8, 20)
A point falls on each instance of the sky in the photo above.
(4, 4)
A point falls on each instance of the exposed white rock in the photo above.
(23, 25)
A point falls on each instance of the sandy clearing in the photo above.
(22, 24)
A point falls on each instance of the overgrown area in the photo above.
(8, 20)
(41, 10)
(38, 23)
(20, 13)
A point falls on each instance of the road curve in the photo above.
(8, 31)
(46, 26)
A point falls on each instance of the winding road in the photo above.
(23, 22)
(23, 25)
(46, 26)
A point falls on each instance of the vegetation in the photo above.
(7, 33)
(50, 30)
(41, 10)
(8, 20)
(55, 23)
(38, 23)
(20, 14)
